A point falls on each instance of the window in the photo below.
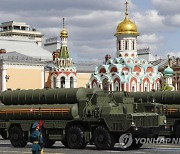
(158, 86)
(119, 45)
(63, 82)
(145, 88)
(126, 45)
(71, 82)
(105, 84)
(133, 45)
(116, 86)
(133, 89)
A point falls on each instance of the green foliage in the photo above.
(166, 87)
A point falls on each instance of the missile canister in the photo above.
(164, 97)
(44, 96)
(36, 112)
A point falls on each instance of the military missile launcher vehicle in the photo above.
(171, 108)
(76, 117)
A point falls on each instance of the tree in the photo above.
(166, 87)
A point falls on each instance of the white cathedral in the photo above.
(126, 72)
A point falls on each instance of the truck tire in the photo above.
(76, 138)
(16, 137)
(103, 139)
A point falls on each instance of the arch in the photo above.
(94, 83)
(54, 80)
(62, 81)
(116, 84)
(113, 69)
(105, 84)
(120, 55)
(149, 69)
(102, 70)
(137, 69)
(146, 84)
(133, 84)
(132, 55)
(125, 70)
(71, 82)
(158, 84)
(126, 55)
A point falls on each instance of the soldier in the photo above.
(36, 138)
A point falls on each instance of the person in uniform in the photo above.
(36, 138)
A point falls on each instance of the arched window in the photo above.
(105, 84)
(71, 82)
(54, 82)
(63, 82)
(133, 86)
(116, 86)
(146, 86)
(158, 86)
(133, 89)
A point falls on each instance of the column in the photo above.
(67, 83)
(58, 82)
(3, 80)
(42, 77)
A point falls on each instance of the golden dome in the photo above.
(126, 26)
(63, 33)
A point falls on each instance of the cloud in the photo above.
(152, 41)
(149, 21)
(170, 10)
(91, 24)
(173, 20)
(167, 7)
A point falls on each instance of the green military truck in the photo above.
(171, 108)
(76, 117)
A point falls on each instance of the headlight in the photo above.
(164, 121)
(133, 123)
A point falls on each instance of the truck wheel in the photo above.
(103, 139)
(75, 138)
(16, 137)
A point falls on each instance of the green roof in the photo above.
(64, 54)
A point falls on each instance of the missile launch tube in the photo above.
(43, 96)
(164, 97)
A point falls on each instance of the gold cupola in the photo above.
(126, 26)
(63, 32)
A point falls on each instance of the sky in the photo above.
(91, 24)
